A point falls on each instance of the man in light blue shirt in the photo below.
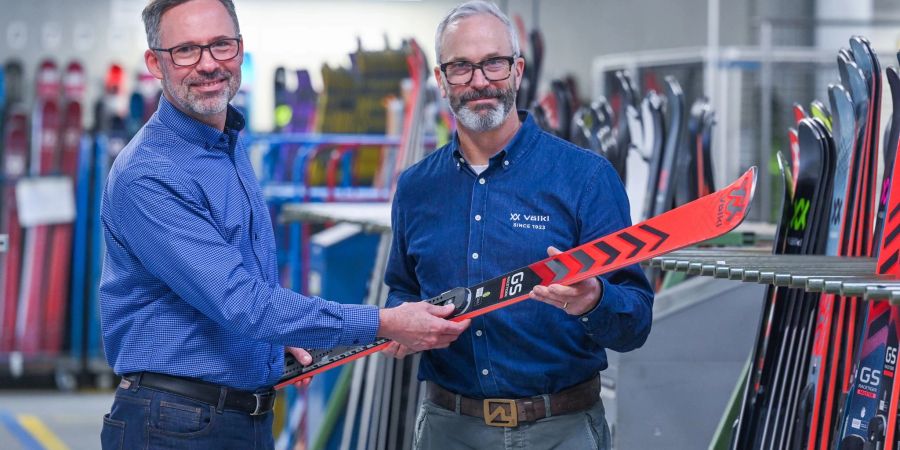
(193, 317)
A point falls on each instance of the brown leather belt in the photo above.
(501, 412)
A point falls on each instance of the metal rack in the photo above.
(846, 276)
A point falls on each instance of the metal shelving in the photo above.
(846, 276)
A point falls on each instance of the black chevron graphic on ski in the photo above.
(637, 243)
(888, 264)
(584, 259)
(891, 236)
(894, 212)
(879, 323)
(662, 235)
(609, 250)
(559, 269)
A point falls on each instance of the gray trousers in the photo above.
(441, 429)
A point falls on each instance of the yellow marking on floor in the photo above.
(41, 432)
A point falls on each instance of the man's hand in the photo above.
(418, 326)
(304, 358)
(575, 299)
(397, 350)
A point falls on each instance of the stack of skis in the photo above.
(374, 401)
(34, 275)
(49, 324)
(662, 154)
(821, 374)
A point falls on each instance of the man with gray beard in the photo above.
(193, 316)
(501, 195)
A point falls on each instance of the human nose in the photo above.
(478, 78)
(206, 62)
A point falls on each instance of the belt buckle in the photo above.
(500, 412)
(264, 402)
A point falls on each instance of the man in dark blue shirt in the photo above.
(192, 313)
(501, 195)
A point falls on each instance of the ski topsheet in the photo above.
(708, 217)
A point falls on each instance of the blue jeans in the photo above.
(145, 418)
(441, 429)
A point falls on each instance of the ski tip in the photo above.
(737, 199)
(753, 173)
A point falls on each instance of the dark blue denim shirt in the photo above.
(453, 228)
(190, 282)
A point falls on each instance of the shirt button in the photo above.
(462, 160)
(481, 181)
(505, 163)
(584, 319)
(484, 371)
(478, 333)
(474, 255)
(477, 217)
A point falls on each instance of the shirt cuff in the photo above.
(361, 322)
(394, 300)
(597, 319)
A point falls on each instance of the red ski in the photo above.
(32, 298)
(889, 265)
(61, 235)
(708, 217)
(15, 164)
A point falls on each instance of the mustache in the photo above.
(480, 95)
(211, 76)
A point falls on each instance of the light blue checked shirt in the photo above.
(190, 282)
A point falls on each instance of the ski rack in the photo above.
(840, 275)
(312, 144)
(374, 217)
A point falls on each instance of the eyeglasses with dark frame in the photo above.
(497, 68)
(190, 54)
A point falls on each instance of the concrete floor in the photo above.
(50, 419)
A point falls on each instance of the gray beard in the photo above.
(480, 122)
(207, 106)
(486, 118)
(203, 105)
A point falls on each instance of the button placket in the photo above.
(256, 210)
(475, 257)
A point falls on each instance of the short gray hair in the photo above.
(156, 8)
(474, 8)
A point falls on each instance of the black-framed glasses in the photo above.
(497, 68)
(190, 54)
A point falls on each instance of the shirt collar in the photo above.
(515, 149)
(199, 133)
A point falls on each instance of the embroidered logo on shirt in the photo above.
(529, 221)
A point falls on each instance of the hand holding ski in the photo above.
(575, 299)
